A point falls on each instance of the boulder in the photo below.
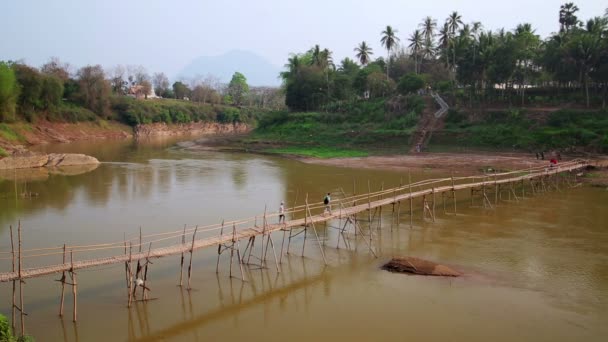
(28, 160)
(70, 159)
(23, 161)
(419, 266)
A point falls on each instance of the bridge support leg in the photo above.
(191, 253)
(62, 280)
(74, 288)
(14, 306)
(181, 265)
(130, 274)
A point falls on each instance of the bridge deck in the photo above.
(244, 233)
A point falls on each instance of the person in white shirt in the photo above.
(282, 213)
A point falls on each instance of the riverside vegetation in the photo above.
(507, 90)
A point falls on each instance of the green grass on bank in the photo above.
(3, 153)
(319, 152)
(519, 130)
(7, 133)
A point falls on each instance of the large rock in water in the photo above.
(419, 266)
(69, 159)
(23, 161)
(28, 160)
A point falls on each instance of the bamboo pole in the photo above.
(315, 231)
(454, 194)
(238, 252)
(219, 249)
(380, 214)
(262, 256)
(305, 224)
(496, 191)
(62, 285)
(74, 287)
(433, 192)
(181, 265)
(146, 272)
(21, 309)
(130, 296)
(191, 252)
(14, 284)
(409, 177)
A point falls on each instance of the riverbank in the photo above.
(16, 137)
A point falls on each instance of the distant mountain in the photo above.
(257, 70)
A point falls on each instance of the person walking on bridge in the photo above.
(282, 213)
(327, 202)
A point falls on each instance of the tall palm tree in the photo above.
(567, 17)
(444, 43)
(316, 55)
(454, 21)
(292, 66)
(416, 45)
(428, 27)
(363, 53)
(389, 40)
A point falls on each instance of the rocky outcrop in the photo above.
(419, 266)
(70, 159)
(199, 128)
(24, 161)
(28, 160)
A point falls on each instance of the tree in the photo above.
(161, 83)
(527, 44)
(428, 31)
(363, 53)
(9, 92)
(52, 92)
(585, 49)
(567, 17)
(410, 83)
(180, 90)
(416, 47)
(444, 43)
(454, 21)
(389, 40)
(93, 90)
(30, 82)
(238, 88)
(117, 80)
(145, 89)
(56, 68)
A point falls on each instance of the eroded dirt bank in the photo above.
(194, 128)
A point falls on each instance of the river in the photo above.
(535, 270)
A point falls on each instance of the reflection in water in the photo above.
(536, 269)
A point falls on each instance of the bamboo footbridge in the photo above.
(226, 236)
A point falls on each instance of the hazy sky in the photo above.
(165, 35)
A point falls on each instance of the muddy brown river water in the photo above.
(535, 270)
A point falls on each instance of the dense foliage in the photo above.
(472, 65)
(52, 93)
(563, 129)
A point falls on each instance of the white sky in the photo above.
(165, 35)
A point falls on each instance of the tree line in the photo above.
(57, 93)
(464, 61)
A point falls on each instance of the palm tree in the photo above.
(567, 19)
(315, 55)
(454, 21)
(292, 66)
(444, 43)
(416, 45)
(363, 53)
(389, 40)
(428, 27)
